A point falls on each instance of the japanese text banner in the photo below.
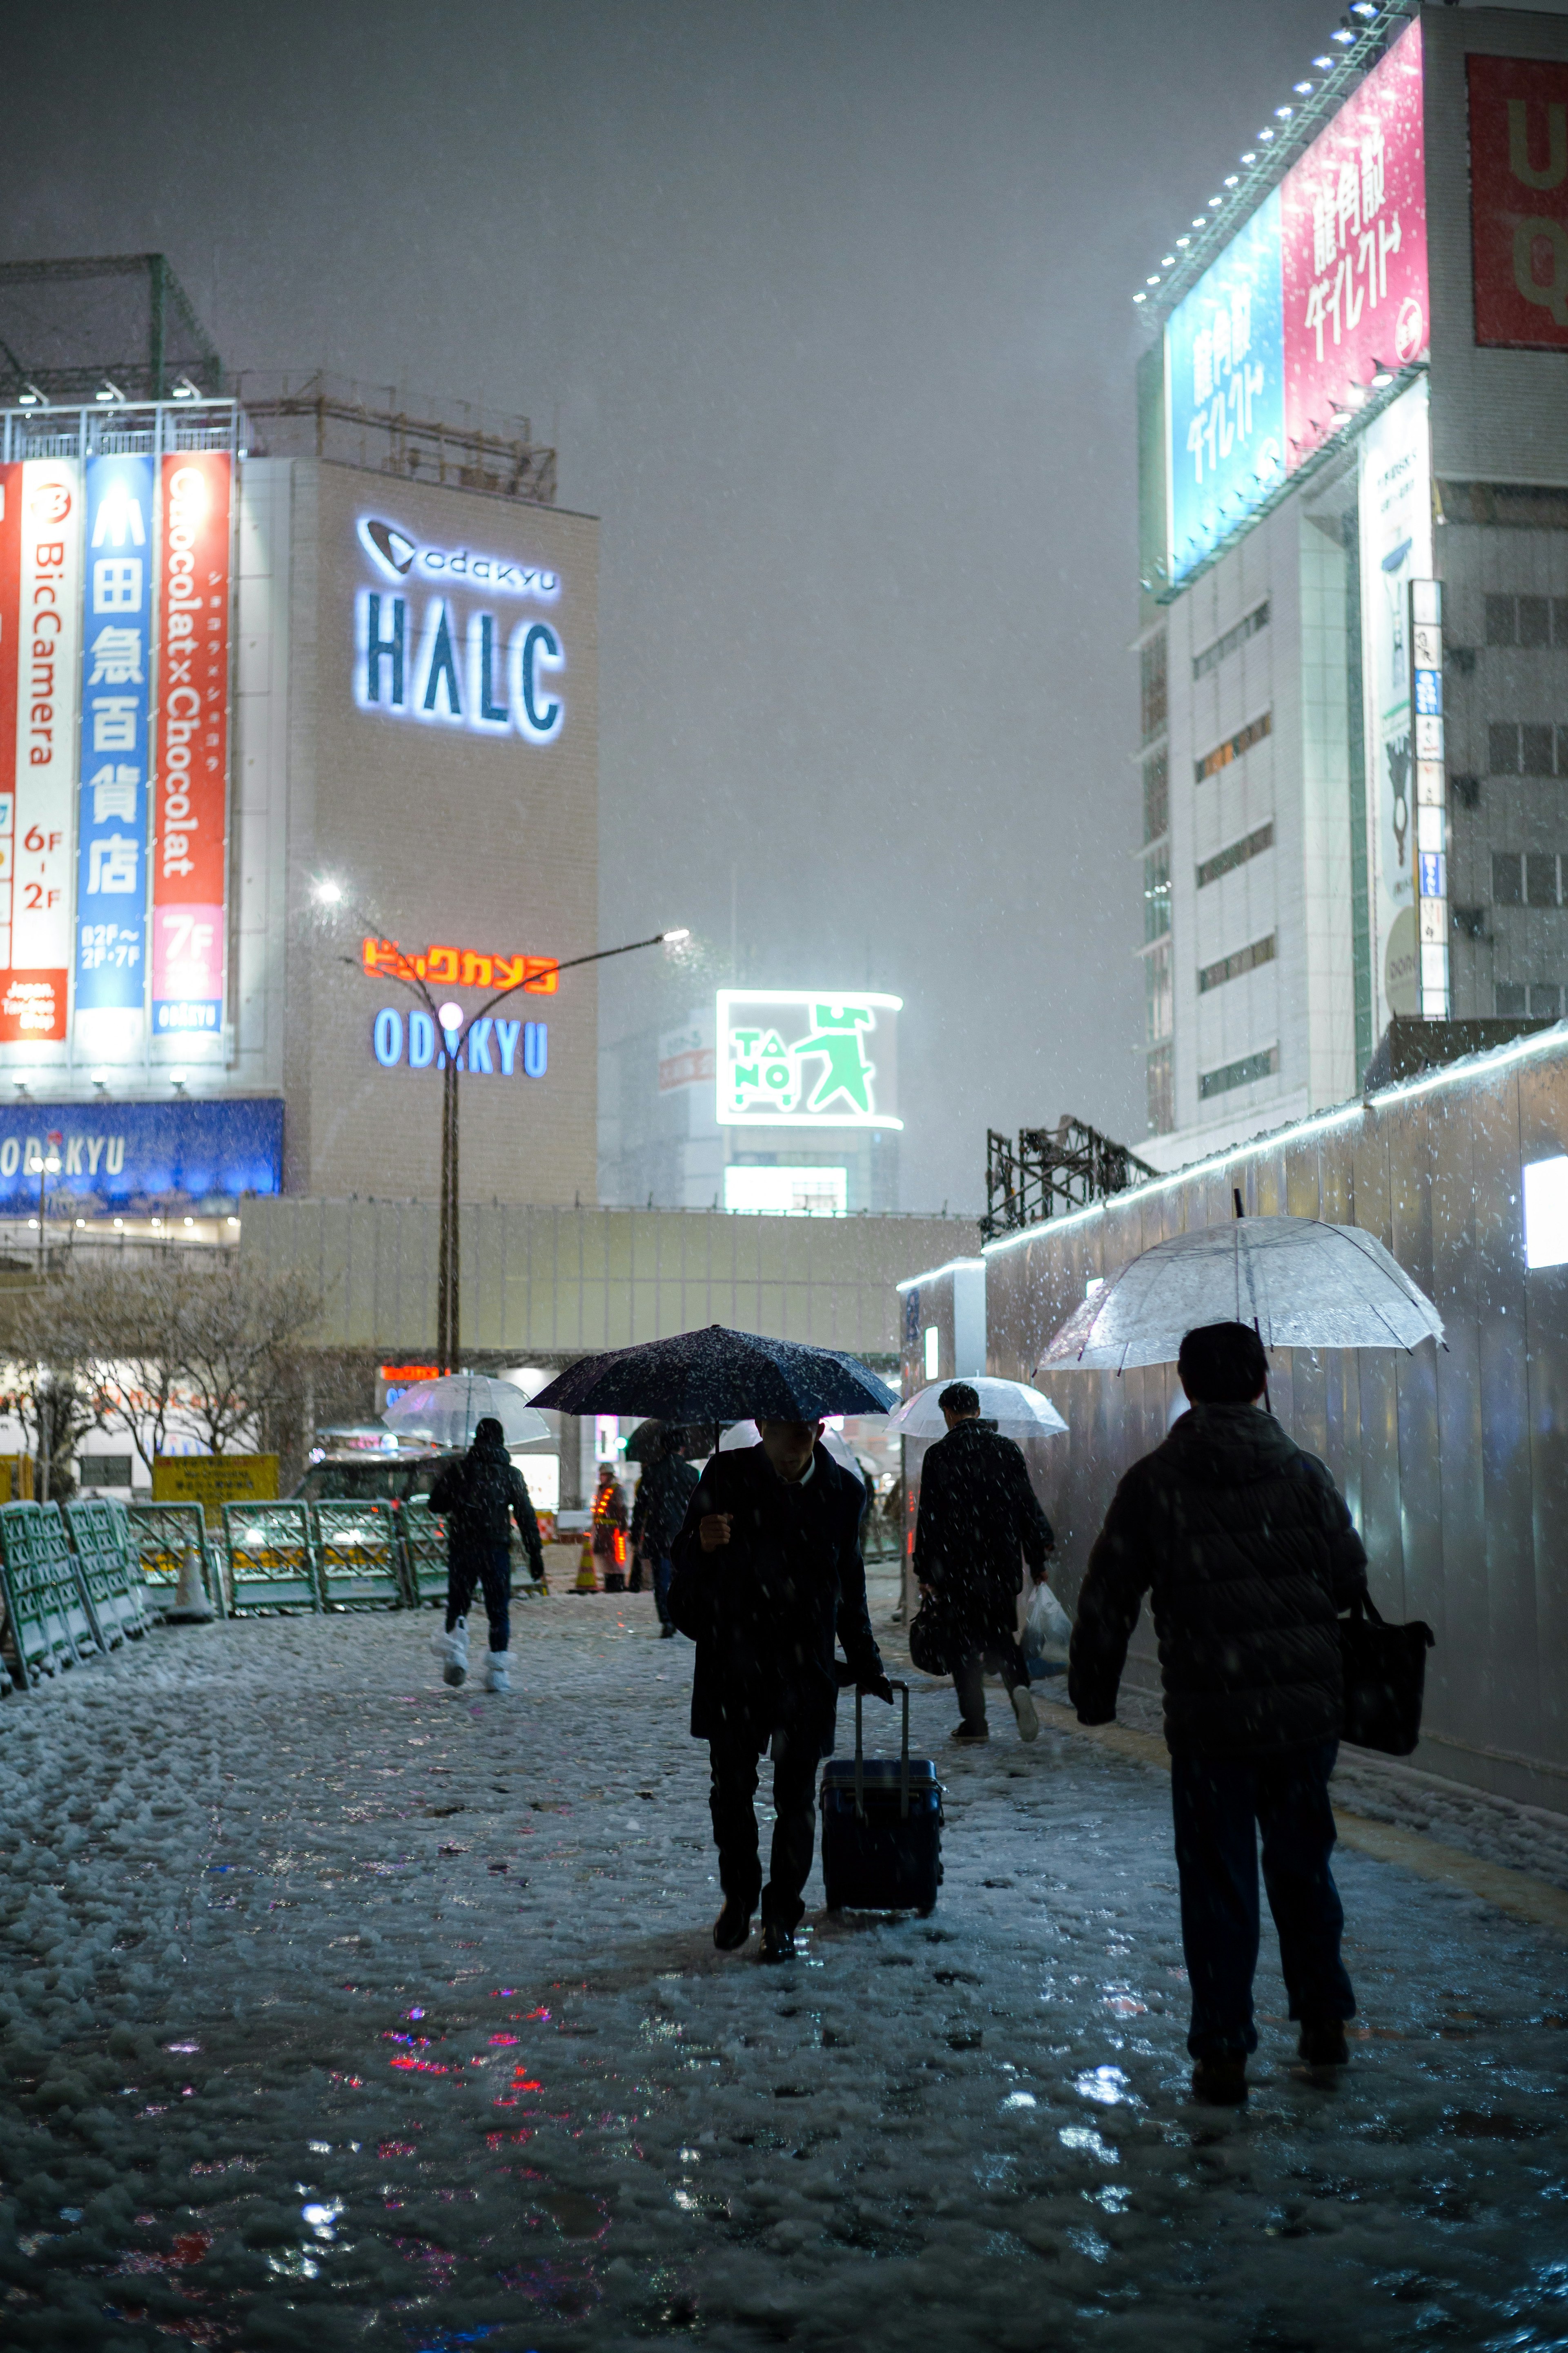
(36, 977)
(112, 835)
(1519, 201)
(1225, 361)
(191, 789)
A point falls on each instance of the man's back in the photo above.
(978, 1514)
(480, 1491)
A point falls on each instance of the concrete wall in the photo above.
(1453, 1462)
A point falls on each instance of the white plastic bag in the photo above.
(1048, 1628)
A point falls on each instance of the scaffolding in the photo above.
(1050, 1171)
(370, 427)
(114, 327)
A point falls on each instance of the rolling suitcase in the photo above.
(881, 1828)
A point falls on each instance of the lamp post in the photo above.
(48, 1165)
(454, 1034)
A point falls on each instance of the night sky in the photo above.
(827, 308)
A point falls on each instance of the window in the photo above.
(1541, 879)
(1231, 967)
(1152, 697)
(1156, 796)
(1507, 890)
(1527, 620)
(1511, 1000)
(1526, 748)
(1545, 1003)
(1234, 746)
(1535, 621)
(1244, 1073)
(104, 1470)
(1226, 861)
(1160, 1091)
(1157, 994)
(1212, 656)
(1156, 894)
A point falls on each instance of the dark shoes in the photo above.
(778, 1942)
(731, 1928)
(667, 1633)
(1221, 2082)
(972, 1735)
(1322, 2042)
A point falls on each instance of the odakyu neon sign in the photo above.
(493, 1048)
(454, 673)
(397, 554)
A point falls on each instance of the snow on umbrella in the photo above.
(716, 1375)
(1304, 1283)
(450, 1410)
(1017, 1410)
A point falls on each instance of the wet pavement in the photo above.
(343, 2009)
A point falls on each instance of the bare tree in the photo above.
(140, 1314)
(48, 1381)
(243, 1332)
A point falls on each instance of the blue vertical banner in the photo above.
(1224, 372)
(116, 700)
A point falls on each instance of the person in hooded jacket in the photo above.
(481, 1493)
(767, 1572)
(1248, 1552)
(664, 1492)
(978, 1521)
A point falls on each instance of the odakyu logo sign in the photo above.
(492, 1048)
(440, 658)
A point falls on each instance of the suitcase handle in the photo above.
(903, 1762)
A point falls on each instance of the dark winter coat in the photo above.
(764, 1608)
(1249, 1554)
(481, 1493)
(979, 1520)
(663, 1493)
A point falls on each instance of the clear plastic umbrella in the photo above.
(1302, 1282)
(450, 1410)
(1017, 1410)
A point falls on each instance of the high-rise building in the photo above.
(1354, 536)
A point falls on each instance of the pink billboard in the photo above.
(1353, 252)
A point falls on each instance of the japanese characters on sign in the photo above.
(447, 967)
(1395, 505)
(447, 666)
(1431, 796)
(116, 698)
(806, 1058)
(1519, 201)
(41, 595)
(1226, 387)
(191, 793)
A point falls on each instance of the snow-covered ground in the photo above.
(343, 2009)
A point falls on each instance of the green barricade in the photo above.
(109, 1569)
(424, 1535)
(48, 1621)
(272, 1555)
(161, 1536)
(358, 1557)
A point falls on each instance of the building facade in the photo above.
(1353, 649)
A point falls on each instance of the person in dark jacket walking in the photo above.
(767, 1572)
(1249, 1554)
(663, 1493)
(979, 1520)
(481, 1493)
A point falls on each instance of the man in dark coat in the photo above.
(979, 1520)
(663, 1493)
(481, 1493)
(1249, 1553)
(767, 1572)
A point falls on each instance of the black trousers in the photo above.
(486, 1565)
(734, 1785)
(1221, 1804)
(996, 1655)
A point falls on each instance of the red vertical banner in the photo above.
(10, 632)
(191, 787)
(1519, 201)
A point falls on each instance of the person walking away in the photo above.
(1249, 1554)
(663, 1493)
(480, 1493)
(978, 1521)
(767, 1573)
(610, 1530)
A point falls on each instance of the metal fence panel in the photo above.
(161, 1535)
(358, 1557)
(47, 1614)
(109, 1569)
(271, 1556)
(424, 1536)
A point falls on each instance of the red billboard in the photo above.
(1354, 250)
(191, 795)
(1519, 201)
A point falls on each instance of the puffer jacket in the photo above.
(481, 1493)
(663, 1493)
(1248, 1554)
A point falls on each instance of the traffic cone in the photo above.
(587, 1580)
(191, 1605)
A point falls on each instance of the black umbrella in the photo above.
(643, 1445)
(716, 1375)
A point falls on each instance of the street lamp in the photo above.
(48, 1165)
(454, 1034)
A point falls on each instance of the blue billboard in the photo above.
(1224, 378)
(138, 1156)
(111, 831)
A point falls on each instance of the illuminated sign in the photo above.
(116, 704)
(1519, 202)
(439, 660)
(447, 967)
(1224, 355)
(806, 1058)
(1395, 505)
(40, 605)
(126, 1156)
(191, 792)
(494, 1048)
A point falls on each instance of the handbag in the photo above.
(1384, 1677)
(931, 1636)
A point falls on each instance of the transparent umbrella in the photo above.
(450, 1410)
(1302, 1282)
(1017, 1410)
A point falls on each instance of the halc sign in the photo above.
(444, 662)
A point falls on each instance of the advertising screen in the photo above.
(1519, 201)
(116, 701)
(140, 1155)
(191, 795)
(1225, 389)
(1396, 502)
(806, 1058)
(39, 611)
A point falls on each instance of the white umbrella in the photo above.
(450, 1410)
(1303, 1283)
(746, 1433)
(1017, 1410)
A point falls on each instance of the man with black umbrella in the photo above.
(767, 1572)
